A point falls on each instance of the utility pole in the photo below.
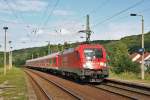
(143, 49)
(38, 55)
(142, 65)
(87, 30)
(5, 28)
(48, 47)
(0, 46)
(10, 58)
(32, 55)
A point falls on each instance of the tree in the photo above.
(119, 58)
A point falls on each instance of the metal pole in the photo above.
(143, 49)
(88, 31)
(5, 28)
(32, 55)
(48, 47)
(9, 56)
(142, 64)
(38, 55)
(9, 61)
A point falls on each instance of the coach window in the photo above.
(50, 61)
(54, 61)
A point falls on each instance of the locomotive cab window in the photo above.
(93, 53)
(98, 53)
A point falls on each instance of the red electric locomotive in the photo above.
(86, 62)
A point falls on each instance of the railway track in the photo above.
(65, 93)
(112, 88)
(82, 91)
(131, 90)
(40, 92)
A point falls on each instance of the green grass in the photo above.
(15, 78)
(131, 77)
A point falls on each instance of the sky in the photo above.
(32, 23)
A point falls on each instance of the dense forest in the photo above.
(128, 44)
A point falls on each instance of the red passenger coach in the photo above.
(86, 62)
(48, 62)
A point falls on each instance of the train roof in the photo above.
(67, 51)
(45, 57)
(90, 45)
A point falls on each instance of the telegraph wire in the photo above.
(118, 13)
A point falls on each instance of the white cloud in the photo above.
(40, 31)
(65, 31)
(116, 31)
(23, 5)
(23, 39)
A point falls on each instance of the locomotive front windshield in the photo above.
(93, 53)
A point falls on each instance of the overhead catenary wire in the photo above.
(45, 11)
(47, 19)
(12, 10)
(118, 13)
(22, 19)
(127, 16)
(145, 10)
(101, 5)
(94, 10)
(19, 14)
(42, 17)
(19, 18)
(50, 14)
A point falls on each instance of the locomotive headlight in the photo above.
(102, 64)
(88, 65)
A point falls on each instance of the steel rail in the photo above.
(135, 89)
(60, 86)
(118, 93)
(41, 89)
(129, 86)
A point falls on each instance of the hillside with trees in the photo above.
(134, 42)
